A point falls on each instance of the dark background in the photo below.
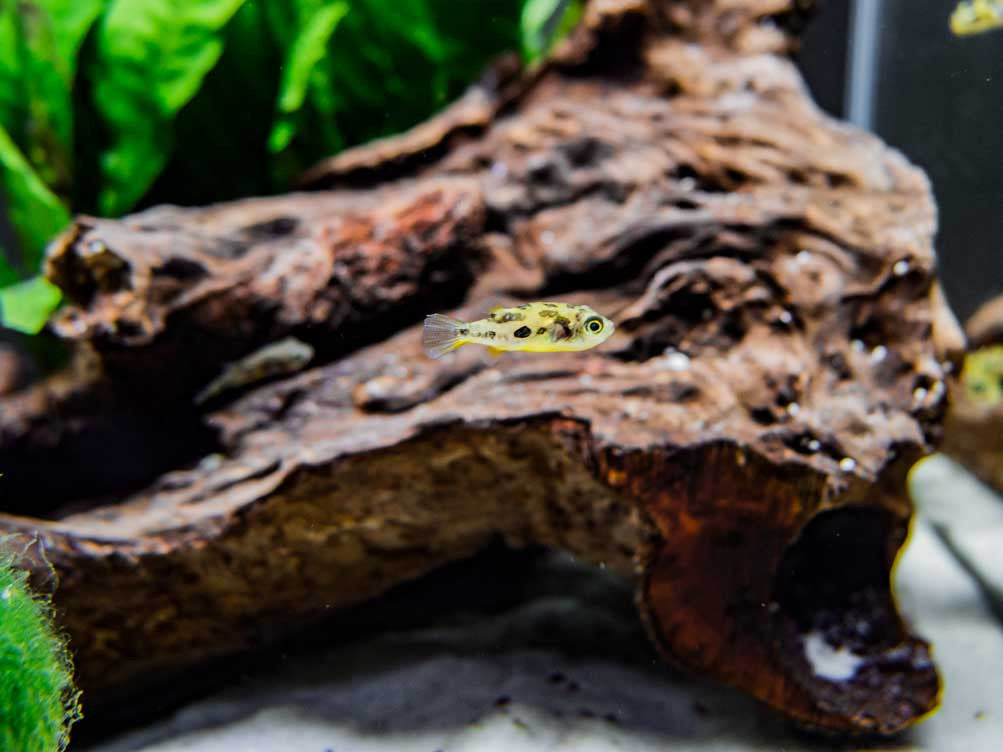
(937, 98)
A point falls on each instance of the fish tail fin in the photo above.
(441, 334)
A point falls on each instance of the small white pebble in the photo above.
(676, 361)
(857, 345)
(499, 169)
(687, 184)
(814, 445)
(847, 464)
(919, 394)
(901, 268)
(585, 379)
(793, 409)
(804, 256)
(830, 663)
(879, 353)
(96, 246)
(547, 237)
(948, 366)
(785, 317)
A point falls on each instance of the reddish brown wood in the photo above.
(739, 446)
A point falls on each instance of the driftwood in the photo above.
(985, 327)
(739, 446)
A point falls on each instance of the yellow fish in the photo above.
(530, 327)
(976, 16)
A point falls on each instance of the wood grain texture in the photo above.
(739, 446)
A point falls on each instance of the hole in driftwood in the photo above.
(840, 564)
(841, 638)
(99, 463)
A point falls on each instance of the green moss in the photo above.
(38, 702)
(982, 375)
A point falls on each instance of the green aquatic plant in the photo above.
(982, 376)
(107, 106)
(38, 702)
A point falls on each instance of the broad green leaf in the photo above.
(26, 306)
(412, 20)
(35, 212)
(69, 22)
(307, 50)
(384, 66)
(152, 56)
(8, 272)
(39, 44)
(221, 135)
(543, 21)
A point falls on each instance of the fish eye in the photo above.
(594, 325)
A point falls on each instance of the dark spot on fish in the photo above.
(511, 317)
(562, 320)
(524, 306)
(464, 331)
(547, 314)
(522, 332)
(542, 330)
(551, 305)
(489, 333)
(491, 317)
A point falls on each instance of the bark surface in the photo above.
(739, 446)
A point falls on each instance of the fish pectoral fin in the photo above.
(495, 351)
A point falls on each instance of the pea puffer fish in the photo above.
(976, 16)
(278, 358)
(530, 327)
